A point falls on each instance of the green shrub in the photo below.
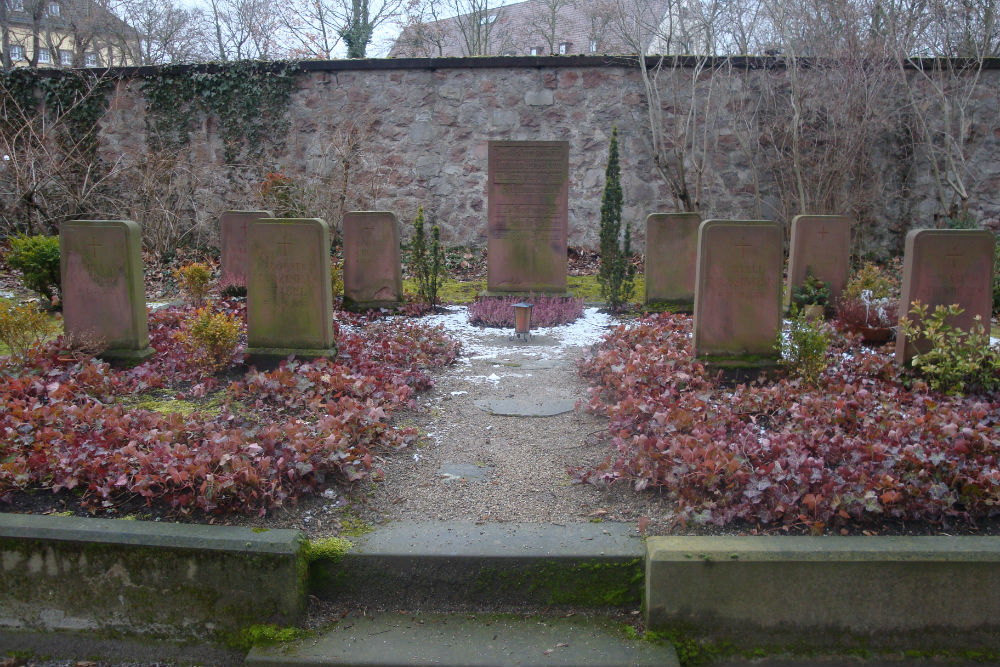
(194, 279)
(812, 291)
(804, 349)
(996, 277)
(955, 360)
(426, 263)
(37, 258)
(870, 278)
(210, 338)
(616, 273)
(22, 328)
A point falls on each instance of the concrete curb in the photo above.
(911, 592)
(422, 565)
(156, 579)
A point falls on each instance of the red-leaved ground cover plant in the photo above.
(864, 444)
(274, 437)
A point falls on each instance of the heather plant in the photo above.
(193, 280)
(231, 288)
(996, 277)
(616, 274)
(954, 360)
(22, 329)
(426, 262)
(804, 348)
(211, 339)
(37, 258)
(548, 311)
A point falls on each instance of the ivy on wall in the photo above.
(75, 100)
(249, 99)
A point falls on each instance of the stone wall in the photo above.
(424, 127)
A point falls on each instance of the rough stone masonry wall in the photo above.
(428, 124)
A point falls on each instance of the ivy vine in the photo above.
(77, 100)
(249, 98)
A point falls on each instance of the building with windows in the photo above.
(538, 28)
(60, 33)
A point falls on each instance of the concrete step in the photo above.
(463, 640)
(435, 566)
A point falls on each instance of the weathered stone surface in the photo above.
(588, 101)
(528, 204)
(671, 258)
(289, 303)
(820, 244)
(166, 579)
(233, 244)
(102, 285)
(737, 306)
(373, 277)
(910, 592)
(942, 267)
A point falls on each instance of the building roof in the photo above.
(548, 26)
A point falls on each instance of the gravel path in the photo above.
(477, 466)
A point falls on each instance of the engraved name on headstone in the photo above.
(102, 286)
(671, 258)
(233, 242)
(737, 307)
(528, 216)
(289, 302)
(372, 274)
(820, 244)
(942, 267)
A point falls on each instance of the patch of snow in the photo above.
(485, 342)
(458, 393)
(4, 294)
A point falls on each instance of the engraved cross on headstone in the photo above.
(93, 244)
(743, 247)
(822, 233)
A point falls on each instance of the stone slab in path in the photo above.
(470, 472)
(527, 407)
(463, 640)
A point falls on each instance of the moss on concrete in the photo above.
(582, 584)
(166, 402)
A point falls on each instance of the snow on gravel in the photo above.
(482, 342)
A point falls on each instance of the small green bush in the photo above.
(37, 258)
(426, 263)
(955, 360)
(210, 338)
(22, 328)
(616, 273)
(879, 283)
(804, 350)
(812, 291)
(194, 279)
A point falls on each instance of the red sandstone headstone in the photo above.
(528, 216)
(372, 274)
(289, 301)
(671, 258)
(102, 285)
(942, 267)
(737, 304)
(233, 242)
(820, 244)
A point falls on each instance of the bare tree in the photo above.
(156, 32)
(243, 29)
(315, 27)
(477, 22)
(422, 31)
(544, 20)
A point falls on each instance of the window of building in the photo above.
(593, 46)
(488, 20)
(535, 51)
(65, 57)
(44, 56)
(16, 52)
(90, 60)
(564, 47)
(53, 9)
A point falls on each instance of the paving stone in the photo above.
(463, 640)
(527, 407)
(454, 472)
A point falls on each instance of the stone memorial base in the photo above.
(127, 356)
(361, 306)
(269, 358)
(671, 306)
(739, 369)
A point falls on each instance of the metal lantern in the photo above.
(522, 320)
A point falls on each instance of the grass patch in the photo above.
(166, 403)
